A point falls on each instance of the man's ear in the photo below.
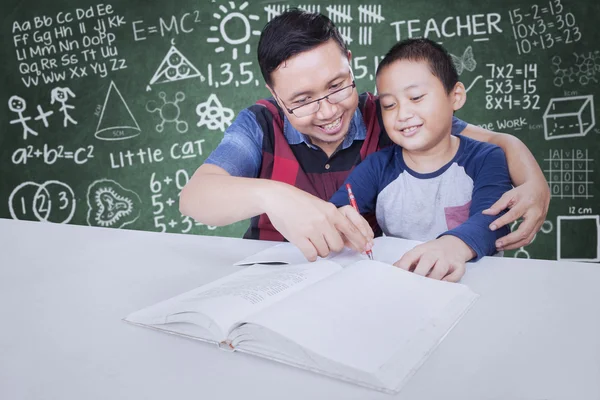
(270, 90)
(458, 96)
(283, 107)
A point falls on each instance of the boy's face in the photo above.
(417, 111)
(308, 76)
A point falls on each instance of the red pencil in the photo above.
(353, 204)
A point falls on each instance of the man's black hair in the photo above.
(293, 32)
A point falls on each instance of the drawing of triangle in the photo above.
(116, 120)
(167, 72)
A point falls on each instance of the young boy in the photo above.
(432, 185)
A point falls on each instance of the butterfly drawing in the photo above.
(465, 62)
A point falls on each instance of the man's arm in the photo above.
(214, 197)
(529, 199)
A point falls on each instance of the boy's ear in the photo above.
(458, 96)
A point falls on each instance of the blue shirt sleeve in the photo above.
(458, 125)
(364, 179)
(490, 183)
(240, 150)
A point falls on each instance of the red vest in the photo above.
(302, 167)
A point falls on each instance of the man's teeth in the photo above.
(410, 129)
(333, 125)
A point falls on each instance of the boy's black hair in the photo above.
(440, 62)
(291, 33)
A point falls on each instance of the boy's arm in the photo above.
(364, 179)
(528, 200)
(490, 183)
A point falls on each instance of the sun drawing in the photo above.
(233, 18)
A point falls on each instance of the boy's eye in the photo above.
(388, 106)
(417, 98)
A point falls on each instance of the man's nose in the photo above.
(326, 110)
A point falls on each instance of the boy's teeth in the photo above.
(407, 130)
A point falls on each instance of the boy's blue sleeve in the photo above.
(490, 183)
(364, 179)
(240, 150)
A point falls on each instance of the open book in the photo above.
(347, 317)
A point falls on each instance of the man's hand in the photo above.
(315, 226)
(442, 259)
(530, 201)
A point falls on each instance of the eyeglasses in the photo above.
(312, 107)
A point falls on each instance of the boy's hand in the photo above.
(442, 259)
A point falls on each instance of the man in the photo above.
(302, 143)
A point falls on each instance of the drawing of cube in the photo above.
(578, 238)
(567, 117)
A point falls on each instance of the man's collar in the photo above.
(356, 131)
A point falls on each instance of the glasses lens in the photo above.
(306, 110)
(341, 95)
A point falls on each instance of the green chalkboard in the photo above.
(110, 107)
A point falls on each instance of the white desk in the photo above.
(533, 334)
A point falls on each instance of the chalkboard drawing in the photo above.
(52, 201)
(568, 172)
(568, 117)
(111, 205)
(61, 95)
(547, 227)
(116, 120)
(18, 105)
(274, 10)
(169, 111)
(213, 114)
(236, 19)
(368, 14)
(466, 61)
(174, 67)
(587, 66)
(341, 14)
(578, 238)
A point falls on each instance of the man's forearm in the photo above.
(521, 164)
(214, 197)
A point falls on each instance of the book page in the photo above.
(389, 249)
(386, 249)
(219, 304)
(372, 317)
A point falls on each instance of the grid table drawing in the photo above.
(569, 173)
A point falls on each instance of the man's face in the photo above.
(416, 110)
(309, 76)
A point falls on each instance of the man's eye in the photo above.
(337, 85)
(301, 101)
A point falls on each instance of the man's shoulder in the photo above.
(475, 148)
(477, 155)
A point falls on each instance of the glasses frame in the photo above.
(291, 110)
